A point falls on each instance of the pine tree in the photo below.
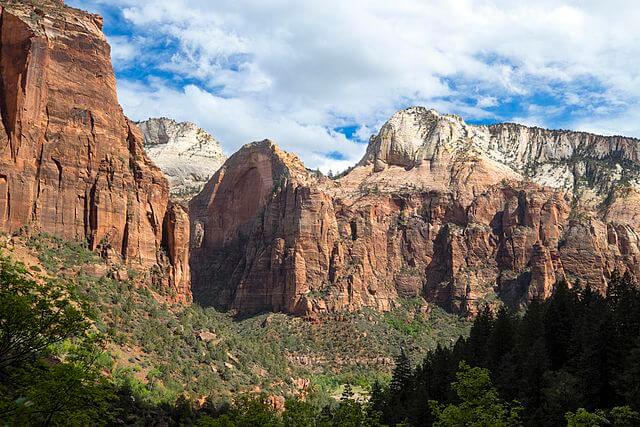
(378, 398)
(401, 378)
(347, 392)
(532, 356)
(400, 391)
(476, 348)
(559, 323)
(501, 339)
(588, 351)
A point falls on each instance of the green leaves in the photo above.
(48, 355)
(480, 404)
(33, 315)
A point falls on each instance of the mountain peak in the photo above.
(187, 154)
(413, 135)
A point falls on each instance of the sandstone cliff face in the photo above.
(186, 154)
(71, 164)
(459, 214)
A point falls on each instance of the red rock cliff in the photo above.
(458, 214)
(71, 164)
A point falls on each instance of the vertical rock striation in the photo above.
(71, 164)
(461, 215)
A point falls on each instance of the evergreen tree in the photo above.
(479, 404)
(628, 380)
(476, 349)
(347, 392)
(378, 397)
(559, 322)
(400, 391)
(588, 351)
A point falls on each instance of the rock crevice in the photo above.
(72, 164)
(461, 215)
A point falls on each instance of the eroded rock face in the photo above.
(71, 164)
(186, 154)
(459, 214)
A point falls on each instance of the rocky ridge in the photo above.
(187, 154)
(71, 164)
(458, 214)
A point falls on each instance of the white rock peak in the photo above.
(187, 154)
(555, 158)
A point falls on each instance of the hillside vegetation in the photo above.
(163, 352)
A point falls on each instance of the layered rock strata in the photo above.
(71, 164)
(458, 214)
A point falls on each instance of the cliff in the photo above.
(459, 214)
(71, 164)
(187, 154)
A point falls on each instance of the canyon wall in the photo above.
(71, 164)
(460, 215)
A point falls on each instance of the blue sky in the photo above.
(321, 77)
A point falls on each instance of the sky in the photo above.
(320, 77)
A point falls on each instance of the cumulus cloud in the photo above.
(296, 70)
(236, 119)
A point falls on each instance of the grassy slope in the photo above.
(162, 351)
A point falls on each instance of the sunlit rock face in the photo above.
(71, 164)
(458, 214)
(187, 154)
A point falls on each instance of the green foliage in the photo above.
(254, 411)
(583, 418)
(578, 349)
(260, 352)
(48, 357)
(33, 315)
(298, 413)
(158, 357)
(479, 404)
(620, 416)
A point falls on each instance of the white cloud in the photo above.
(293, 70)
(486, 101)
(123, 51)
(236, 121)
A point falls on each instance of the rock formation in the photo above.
(458, 214)
(71, 164)
(187, 155)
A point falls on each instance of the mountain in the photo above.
(71, 163)
(187, 155)
(458, 214)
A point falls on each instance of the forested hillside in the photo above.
(575, 356)
(84, 350)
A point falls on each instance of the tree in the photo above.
(620, 416)
(628, 380)
(347, 392)
(298, 413)
(584, 418)
(400, 390)
(48, 369)
(378, 396)
(559, 323)
(479, 405)
(623, 416)
(349, 413)
(34, 315)
(253, 411)
(476, 348)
